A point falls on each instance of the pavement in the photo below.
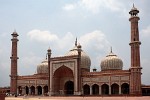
(77, 98)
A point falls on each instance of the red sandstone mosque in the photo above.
(70, 74)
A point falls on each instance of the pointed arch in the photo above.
(19, 90)
(86, 89)
(32, 90)
(125, 88)
(27, 90)
(45, 89)
(105, 89)
(114, 88)
(39, 89)
(60, 77)
(95, 89)
(69, 88)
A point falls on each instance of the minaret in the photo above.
(135, 77)
(14, 58)
(49, 57)
(79, 68)
(76, 42)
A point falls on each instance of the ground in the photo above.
(79, 98)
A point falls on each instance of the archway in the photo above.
(69, 88)
(114, 88)
(27, 90)
(32, 90)
(95, 89)
(105, 89)
(61, 75)
(86, 89)
(125, 88)
(45, 89)
(19, 90)
(39, 88)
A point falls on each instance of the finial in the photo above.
(49, 50)
(76, 42)
(79, 46)
(14, 34)
(111, 49)
(134, 11)
(133, 5)
(46, 56)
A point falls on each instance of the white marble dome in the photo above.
(42, 67)
(85, 59)
(111, 62)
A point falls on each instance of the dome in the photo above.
(85, 59)
(111, 62)
(42, 67)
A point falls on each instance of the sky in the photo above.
(98, 25)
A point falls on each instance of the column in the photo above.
(100, 90)
(109, 90)
(82, 91)
(29, 90)
(23, 91)
(119, 89)
(90, 90)
(42, 90)
(36, 91)
(75, 79)
(51, 81)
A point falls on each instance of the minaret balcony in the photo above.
(135, 43)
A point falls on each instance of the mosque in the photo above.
(70, 74)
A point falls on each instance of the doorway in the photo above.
(69, 88)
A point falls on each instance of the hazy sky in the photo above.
(98, 24)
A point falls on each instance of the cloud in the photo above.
(145, 71)
(5, 66)
(5, 72)
(65, 41)
(91, 5)
(43, 36)
(29, 63)
(96, 39)
(1, 50)
(69, 7)
(54, 41)
(95, 43)
(146, 32)
(96, 46)
(95, 6)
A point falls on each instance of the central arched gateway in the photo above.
(69, 88)
(63, 81)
